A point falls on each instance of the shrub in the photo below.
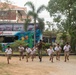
(17, 43)
(47, 45)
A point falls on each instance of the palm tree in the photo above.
(41, 24)
(27, 21)
(34, 13)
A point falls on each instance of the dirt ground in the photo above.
(45, 67)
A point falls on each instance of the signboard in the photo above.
(11, 27)
(2, 27)
(8, 27)
(4, 33)
(18, 27)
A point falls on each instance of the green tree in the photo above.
(66, 8)
(50, 25)
(34, 13)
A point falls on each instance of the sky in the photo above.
(44, 14)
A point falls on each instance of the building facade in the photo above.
(12, 14)
(12, 20)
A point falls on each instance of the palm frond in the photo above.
(31, 5)
(41, 24)
(41, 8)
(30, 13)
(33, 14)
(27, 21)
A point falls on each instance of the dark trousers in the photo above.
(40, 54)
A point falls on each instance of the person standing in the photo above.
(21, 51)
(58, 50)
(8, 53)
(66, 51)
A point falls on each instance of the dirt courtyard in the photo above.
(45, 67)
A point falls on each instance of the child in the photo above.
(35, 49)
(21, 50)
(66, 51)
(58, 50)
(28, 51)
(50, 52)
(8, 52)
(33, 52)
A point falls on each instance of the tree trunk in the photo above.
(34, 31)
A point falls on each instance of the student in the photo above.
(28, 51)
(66, 51)
(35, 49)
(8, 52)
(21, 51)
(33, 53)
(50, 52)
(58, 50)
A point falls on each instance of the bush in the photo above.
(17, 43)
(47, 45)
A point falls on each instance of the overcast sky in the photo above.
(37, 3)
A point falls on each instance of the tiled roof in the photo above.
(10, 6)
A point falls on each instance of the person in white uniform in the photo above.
(58, 50)
(21, 51)
(33, 52)
(28, 51)
(8, 53)
(50, 52)
(66, 51)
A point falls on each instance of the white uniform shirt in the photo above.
(21, 48)
(28, 50)
(57, 48)
(50, 51)
(34, 50)
(66, 48)
(8, 51)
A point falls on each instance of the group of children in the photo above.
(58, 49)
(31, 52)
